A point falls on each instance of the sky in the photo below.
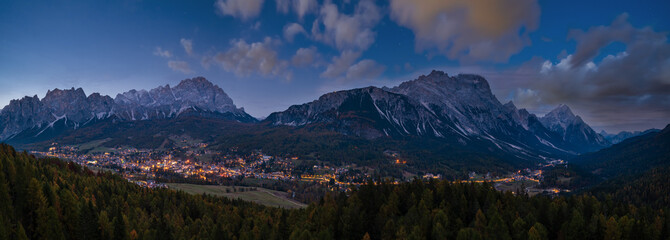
(609, 62)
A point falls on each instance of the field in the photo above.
(260, 195)
(517, 185)
(94, 146)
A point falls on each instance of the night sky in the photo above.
(608, 60)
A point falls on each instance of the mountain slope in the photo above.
(459, 109)
(369, 112)
(634, 155)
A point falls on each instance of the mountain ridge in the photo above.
(460, 109)
(73, 105)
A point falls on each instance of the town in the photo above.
(194, 163)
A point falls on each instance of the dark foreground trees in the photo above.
(53, 199)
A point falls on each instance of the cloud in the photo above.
(365, 69)
(292, 29)
(243, 9)
(258, 57)
(188, 46)
(256, 25)
(347, 32)
(469, 30)
(528, 98)
(590, 42)
(300, 7)
(162, 53)
(305, 57)
(180, 66)
(340, 64)
(206, 62)
(634, 82)
(346, 65)
(408, 67)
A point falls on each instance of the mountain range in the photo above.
(437, 105)
(623, 135)
(73, 109)
(459, 111)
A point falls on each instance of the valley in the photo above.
(322, 119)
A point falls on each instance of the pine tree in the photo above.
(120, 232)
(537, 232)
(20, 233)
(480, 221)
(88, 227)
(36, 210)
(52, 228)
(519, 229)
(497, 229)
(468, 234)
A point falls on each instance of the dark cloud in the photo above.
(590, 42)
(625, 91)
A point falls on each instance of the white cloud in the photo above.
(340, 64)
(365, 69)
(292, 29)
(162, 53)
(346, 65)
(347, 32)
(305, 57)
(180, 66)
(300, 7)
(243, 9)
(247, 58)
(527, 98)
(473, 30)
(206, 62)
(188, 46)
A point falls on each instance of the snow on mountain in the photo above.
(459, 108)
(573, 130)
(196, 94)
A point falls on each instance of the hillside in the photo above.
(52, 199)
(632, 156)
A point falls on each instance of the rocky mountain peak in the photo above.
(510, 105)
(74, 108)
(464, 98)
(573, 129)
(199, 82)
(562, 110)
(58, 94)
(560, 116)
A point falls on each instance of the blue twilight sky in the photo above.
(610, 62)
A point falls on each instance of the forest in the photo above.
(48, 198)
